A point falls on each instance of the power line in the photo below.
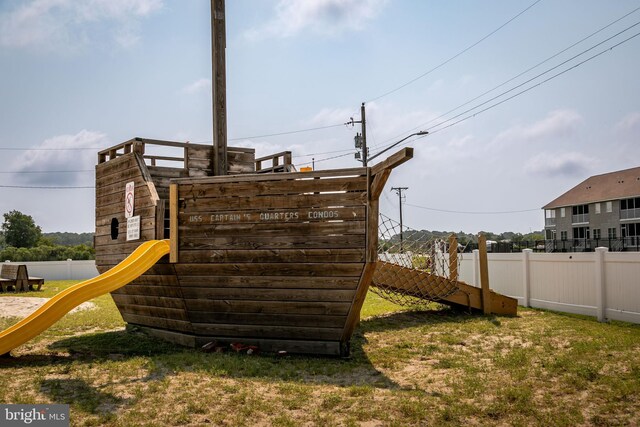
(45, 187)
(536, 85)
(472, 212)
(350, 150)
(454, 56)
(539, 75)
(49, 149)
(199, 142)
(432, 129)
(520, 74)
(328, 158)
(286, 132)
(65, 171)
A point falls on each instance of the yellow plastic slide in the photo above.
(143, 258)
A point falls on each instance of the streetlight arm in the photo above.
(422, 132)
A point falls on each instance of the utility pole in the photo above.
(219, 86)
(365, 151)
(399, 190)
(361, 139)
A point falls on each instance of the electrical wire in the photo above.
(324, 160)
(45, 187)
(454, 56)
(472, 212)
(517, 76)
(432, 130)
(286, 132)
(536, 85)
(49, 149)
(536, 77)
(66, 171)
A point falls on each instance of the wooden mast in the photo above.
(219, 87)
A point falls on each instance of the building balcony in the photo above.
(549, 222)
(580, 219)
(630, 213)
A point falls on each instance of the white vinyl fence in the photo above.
(601, 284)
(62, 270)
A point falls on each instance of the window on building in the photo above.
(609, 207)
(550, 213)
(581, 232)
(562, 212)
(596, 233)
(580, 210)
(563, 235)
(597, 207)
(612, 233)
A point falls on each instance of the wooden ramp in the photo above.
(424, 285)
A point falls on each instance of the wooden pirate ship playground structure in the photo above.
(213, 244)
(280, 260)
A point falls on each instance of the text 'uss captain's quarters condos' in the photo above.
(601, 211)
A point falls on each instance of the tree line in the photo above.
(21, 239)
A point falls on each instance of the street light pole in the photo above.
(422, 132)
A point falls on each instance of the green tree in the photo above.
(20, 230)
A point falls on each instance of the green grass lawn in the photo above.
(432, 366)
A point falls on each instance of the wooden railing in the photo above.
(198, 157)
(280, 162)
(138, 145)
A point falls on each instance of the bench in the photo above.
(15, 277)
(9, 278)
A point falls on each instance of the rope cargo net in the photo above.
(412, 268)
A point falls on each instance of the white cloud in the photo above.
(201, 85)
(325, 17)
(557, 124)
(67, 25)
(332, 116)
(48, 157)
(571, 164)
(629, 124)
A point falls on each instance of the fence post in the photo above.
(600, 284)
(476, 267)
(453, 258)
(526, 276)
(484, 275)
(69, 269)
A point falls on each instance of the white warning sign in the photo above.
(128, 199)
(133, 228)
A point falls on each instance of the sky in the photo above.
(81, 75)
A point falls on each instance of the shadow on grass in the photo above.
(81, 395)
(130, 350)
(423, 317)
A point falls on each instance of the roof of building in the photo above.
(599, 188)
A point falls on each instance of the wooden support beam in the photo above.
(484, 274)
(173, 227)
(453, 258)
(378, 184)
(393, 161)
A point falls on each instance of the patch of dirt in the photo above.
(24, 306)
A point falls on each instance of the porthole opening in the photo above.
(114, 228)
